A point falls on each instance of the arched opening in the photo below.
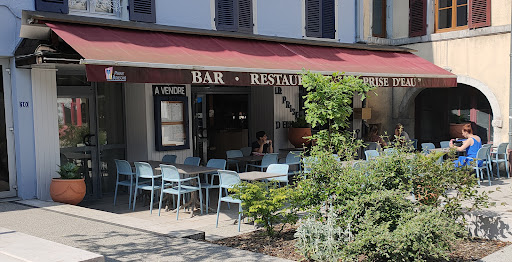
(439, 110)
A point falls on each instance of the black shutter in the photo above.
(142, 10)
(328, 21)
(313, 18)
(225, 18)
(56, 6)
(245, 23)
(417, 18)
(479, 13)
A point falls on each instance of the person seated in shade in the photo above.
(470, 145)
(400, 133)
(263, 144)
(373, 136)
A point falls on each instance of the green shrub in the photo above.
(69, 171)
(265, 203)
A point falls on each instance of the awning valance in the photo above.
(115, 54)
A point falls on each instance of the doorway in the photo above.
(221, 123)
(92, 132)
(7, 165)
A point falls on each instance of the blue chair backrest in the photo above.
(308, 163)
(246, 151)
(143, 170)
(170, 173)
(278, 169)
(502, 148)
(371, 154)
(445, 144)
(293, 157)
(192, 161)
(234, 153)
(217, 163)
(169, 159)
(371, 146)
(427, 146)
(389, 151)
(483, 152)
(123, 167)
(228, 178)
(269, 159)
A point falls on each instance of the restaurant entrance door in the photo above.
(91, 132)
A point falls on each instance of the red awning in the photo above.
(114, 54)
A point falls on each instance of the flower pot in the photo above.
(296, 136)
(68, 191)
(456, 130)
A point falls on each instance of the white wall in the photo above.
(280, 18)
(44, 91)
(195, 14)
(347, 21)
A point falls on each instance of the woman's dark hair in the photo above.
(467, 128)
(260, 134)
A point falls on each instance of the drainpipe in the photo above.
(510, 91)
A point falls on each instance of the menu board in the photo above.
(171, 111)
(171, 123)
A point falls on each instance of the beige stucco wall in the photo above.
(500, 12)
(484, 61)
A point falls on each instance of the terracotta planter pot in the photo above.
(295, 135)
(68, 191)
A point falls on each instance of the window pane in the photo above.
(444, 19)
(78, 4)
(103, 6)
(462, 15)
(462, 2)
(378, 17)
(445, 3)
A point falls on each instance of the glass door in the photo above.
(7, 179)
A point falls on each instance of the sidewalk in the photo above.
(117, 242)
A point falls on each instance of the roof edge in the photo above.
(56, 17)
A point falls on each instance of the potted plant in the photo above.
(70, 187)
(298, 131)
(457, 123)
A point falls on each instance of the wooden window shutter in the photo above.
(328, 19)
(142, 10)
(313, 18)
(417, 18)
(56, 6)
(225, 18)
(479, 13)
(245, 22)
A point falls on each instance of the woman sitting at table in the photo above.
(471, 146)
(263, 145)
(373, 136)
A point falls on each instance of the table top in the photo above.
(257, 175)
(183, 169)
(446, 149)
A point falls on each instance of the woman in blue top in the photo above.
(471, 146)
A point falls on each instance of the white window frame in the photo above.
(91, 10)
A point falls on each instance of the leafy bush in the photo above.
(265, 203)
(69, 171)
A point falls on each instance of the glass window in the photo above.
(379, 18)
(96, 6)
(451, 15)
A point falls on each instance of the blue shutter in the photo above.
(245, 23)
(328, 21)
(56, 6)
(225, 18)
(313, 18)
(142, 10)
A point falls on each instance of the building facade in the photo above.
(90, 81)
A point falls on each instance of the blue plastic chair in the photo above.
(265, 162)
(370, 154)
(215, 163)
(278, 169)
(246, 151)
(389, 151)
(177, 187)
(233, 153)
(499, 157)
(445, 144)
(228, 179)
(192, 161)
(124, 169)
(482, 155)
(145, 171)
(169, 159)
(425, 147)
(414, 143)
(293, 158)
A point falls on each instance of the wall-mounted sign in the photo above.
(169, 90)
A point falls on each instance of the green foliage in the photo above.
(266, 203)
(72, 135)
(69, 171)
(300, 122)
